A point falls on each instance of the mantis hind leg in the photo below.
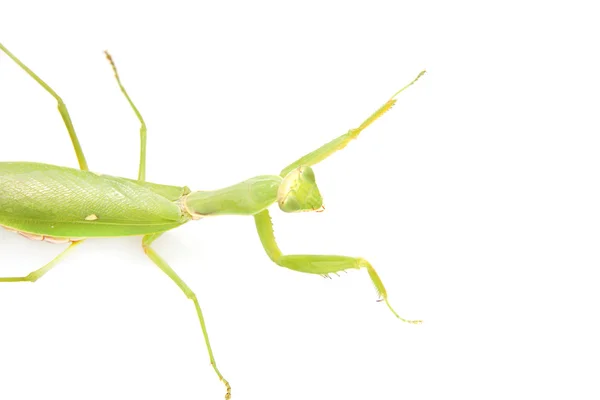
(342, 141)
(160, 263)
(316, 264)
(142, 169)
(38, 273)
(62, 109)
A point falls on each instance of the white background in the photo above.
(476, 198)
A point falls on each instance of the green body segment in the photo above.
(245, 198)
(64, 202)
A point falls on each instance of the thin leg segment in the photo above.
(316, 264)
(62, 109)
(146, 242)
(342, 141)
(142, 170)
(38, 273)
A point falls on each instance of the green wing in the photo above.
(64, 202)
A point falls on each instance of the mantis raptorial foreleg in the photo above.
(342, 141)
(62, 108)
(38, 273)
(316, 264)
(146, 242)
(142, 170)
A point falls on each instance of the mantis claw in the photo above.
(228, 394)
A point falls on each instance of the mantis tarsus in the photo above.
(66, 205)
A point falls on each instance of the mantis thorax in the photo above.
(296, 192)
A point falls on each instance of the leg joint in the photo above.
(191, 295)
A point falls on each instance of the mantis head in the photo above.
(299, 192)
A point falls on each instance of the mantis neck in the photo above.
(245, 198)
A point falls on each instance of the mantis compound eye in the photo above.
(299, 192)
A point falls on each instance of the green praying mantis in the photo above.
(65, 205)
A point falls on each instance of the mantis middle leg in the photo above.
(342, 141)
(62, 109)
(38, 273)
(316, 264)
(142, 170)
(160, 263)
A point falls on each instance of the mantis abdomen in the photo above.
(62, 202)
